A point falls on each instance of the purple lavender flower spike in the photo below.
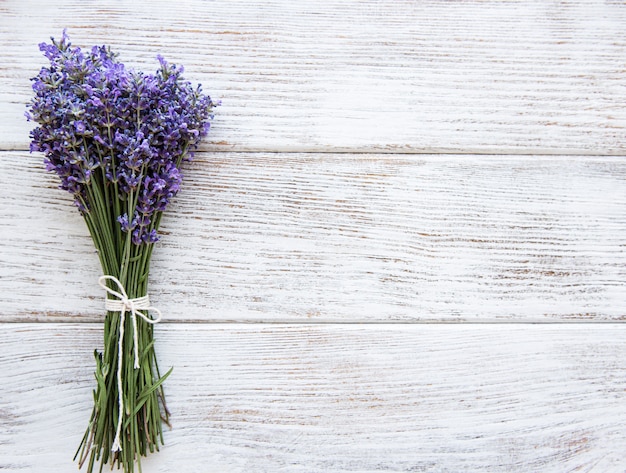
(94, 113)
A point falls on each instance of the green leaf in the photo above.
(145, 394)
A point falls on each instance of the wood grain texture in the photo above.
(338, 398)
(378, 171)
(409, 76)
(322, 237)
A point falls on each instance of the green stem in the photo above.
(143, 392)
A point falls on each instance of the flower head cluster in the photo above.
(127, 130)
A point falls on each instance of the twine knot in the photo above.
(133, 306)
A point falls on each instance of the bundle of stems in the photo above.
(143, 398)
(117, 139)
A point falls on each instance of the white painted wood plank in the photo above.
(326, 237)
(414, 76)
(521, 398)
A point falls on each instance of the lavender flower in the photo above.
(95, 114)
(117, 139)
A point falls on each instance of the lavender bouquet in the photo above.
(117, 139)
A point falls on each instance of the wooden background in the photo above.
(403, 247)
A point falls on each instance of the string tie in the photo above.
(133, 306)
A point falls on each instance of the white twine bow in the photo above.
(122, 305)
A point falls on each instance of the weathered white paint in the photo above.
(302, 208)
(319, 237)
(438, 398)
(432, 75)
